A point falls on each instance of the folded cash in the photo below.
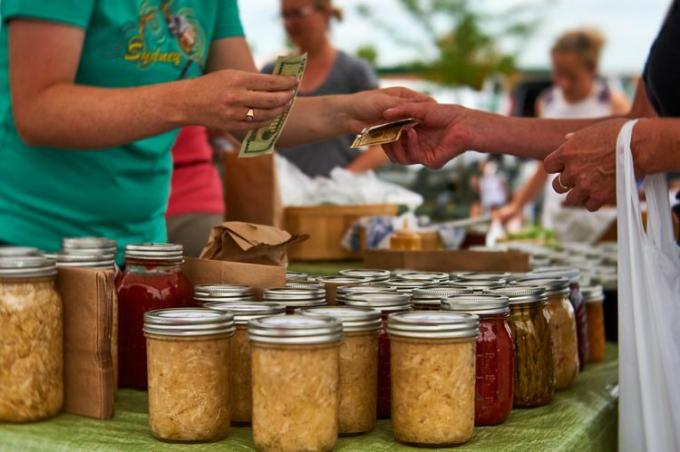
(383, 133)
(262, 141)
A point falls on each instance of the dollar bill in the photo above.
(383, 133)
(263, 140)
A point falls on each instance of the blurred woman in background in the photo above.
(577, 92)
(329, 71)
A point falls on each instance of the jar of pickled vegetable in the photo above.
(241, 384)
(387, 304)
(563, 327)
(31, 344)
(594, 298)
(433, 377)
(530, 326)
(495, 355)
(296, 371)
(188, 365)
(358, 365)
(152, 279)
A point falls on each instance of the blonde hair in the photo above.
(586, 43)
(327, 5)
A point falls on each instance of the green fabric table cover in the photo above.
(583, 418)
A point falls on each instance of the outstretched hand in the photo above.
(367, 108)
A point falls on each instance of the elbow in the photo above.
(28, 128)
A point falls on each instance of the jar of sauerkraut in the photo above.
(31, 340)
(358, 365)
(241, 386)
(433, 376)
(188, 371)
(295, 369)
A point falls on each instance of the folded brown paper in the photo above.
(235, 241)
(447, 261)
(88, 299)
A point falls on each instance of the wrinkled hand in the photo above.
(221, 99)
(441, 135)
(587, 163)
(367, 108)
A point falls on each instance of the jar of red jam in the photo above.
(387, 304)
(152, 279)
(495, 355)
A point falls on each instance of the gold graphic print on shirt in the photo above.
(159, 25)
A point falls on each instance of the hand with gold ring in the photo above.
(250, 115)
(560, 187)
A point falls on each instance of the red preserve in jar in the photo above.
(152, 279)
(495, 355)
(387, 304)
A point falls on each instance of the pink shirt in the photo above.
(196, 186)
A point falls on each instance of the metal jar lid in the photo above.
(592, 294)
(295, 330)
(371, 274)
(422, 276)
(433, 325)
(296, 277)
(477, 285)
(223, 292)
(572, 274)
(342, 280)
(170, 252)
(353, 319)
(408, 285)
(384, 302)
(520, 294)
(85, 259)
(312, 284)
(482, 304)
(553, 286)
(285, 294)
(82, 244)
(19, 251)
(27, 267)
(480, 276)
(343, 292)
(433, 296)
(188, 322)
(244, 312)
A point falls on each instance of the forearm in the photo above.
(70, 116)
(372, 158)
(656, 146)
(314, 119)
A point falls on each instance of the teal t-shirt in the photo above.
(122, 192)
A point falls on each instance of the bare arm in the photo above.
(50, 109)
(374, 157)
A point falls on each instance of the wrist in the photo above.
(639, 139)
(180, 103)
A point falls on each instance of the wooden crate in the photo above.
(326, 226)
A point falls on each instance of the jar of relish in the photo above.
(495, 355)
(152, 279)
(387, 304)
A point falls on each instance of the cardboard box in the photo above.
(447, 261)
(259, 276)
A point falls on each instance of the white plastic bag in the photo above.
(649, 312)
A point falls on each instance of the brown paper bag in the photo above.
(203, 271)
(235, 241)
(447, 261)
(251, 190)
(88, 300)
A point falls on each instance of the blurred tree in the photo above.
(368, 53)
(466, 37)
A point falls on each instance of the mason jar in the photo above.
(241, 383)
(333, 283)
(373, 275)
(31, 340)
(296, 372)
(293, 299)
(430, 277)
(222, 293)
(431, 299)
(594, 299)
(344, 292)
(188, 372)
(433, 377)
(358, 365)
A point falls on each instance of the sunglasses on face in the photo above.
(298, 13)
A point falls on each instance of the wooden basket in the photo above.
(326, 226)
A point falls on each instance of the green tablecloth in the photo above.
(583, 418)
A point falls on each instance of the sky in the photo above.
(629, 25)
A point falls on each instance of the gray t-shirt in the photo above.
(348, 75)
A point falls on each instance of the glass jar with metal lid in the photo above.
(344, 292)
(296, 370)
(409, 285)
(433, 376)
(482, 276)
(607, 277)
(386, 303)
(32, 388)
(576, 300)
(188, 365)
(152, 279)
(594, 299)
(563, 328)
(19, 251)
(296, 298)
(494, 355)
(85, 245)
(358, 365)
(430, 299)
(371, 274)
(241, 385)
(478, 286)
(222, 293)
(311, 284)
(297, 277)
(530, 326)
(433, 277)
(333, 283)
